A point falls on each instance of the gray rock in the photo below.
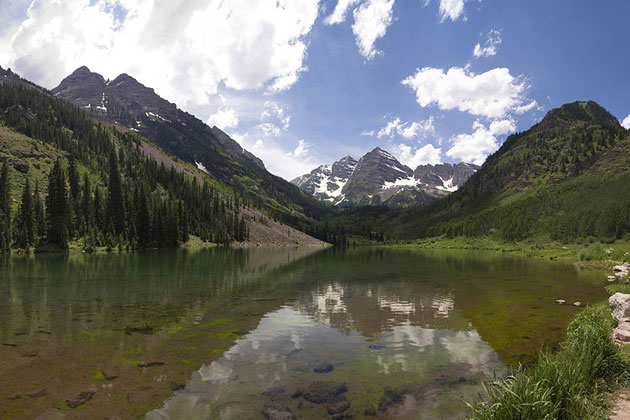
(619, 306)
(577, 303)
(561, 301)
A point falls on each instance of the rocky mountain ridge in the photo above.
(129, 105)
(379, 178)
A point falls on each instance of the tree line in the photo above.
(104, 191)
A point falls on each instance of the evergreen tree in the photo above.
(39, 215)
(115, 214)
(57, 207)
(5, 208)
(25, 221)
(86, 206)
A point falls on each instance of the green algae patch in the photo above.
(226, 335)
(98, 375)
(215, 322)
(134, 352)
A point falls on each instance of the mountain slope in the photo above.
(138, 108)
(379, 178)
(37, 130)
(567, 177)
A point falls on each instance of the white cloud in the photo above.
(301, 150)
(371, 21)
(184, 49)
(273, 111)
(492, 94)
(427, 154)
(339, 13)
(408, 130)
(279, 160)
(490, 47)
(451, 9)
(224, 118)
(626, 123)
(368, 133)
(269, 129)
(475, 147)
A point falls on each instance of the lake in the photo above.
(234, 333)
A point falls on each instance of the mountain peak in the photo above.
(579, 112)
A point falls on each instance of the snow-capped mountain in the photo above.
(379, 178)
(327, 181)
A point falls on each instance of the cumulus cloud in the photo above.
(224, 118)
(371, 21)
(491, 45)
(427, 154)
(408, 130)
(626, 123)
(339, 13)
(476, 146)
(184, 49)
(492, 94)
(368, 133)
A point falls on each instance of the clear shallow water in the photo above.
(241, 331)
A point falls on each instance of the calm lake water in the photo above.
(246, 333)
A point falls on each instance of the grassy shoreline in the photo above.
(589, 253)
(574, 383)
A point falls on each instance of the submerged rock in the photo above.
(149, 364)
(110, 376)
(273, 412)
(80, 399)
(338, 407)
(620, 306)
(577, 303)
(323, 368)
(273, 392)
(320, 392)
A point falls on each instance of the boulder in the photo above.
(577, 303)
(620, 306)
(561, 301)
(622, 334)
(612, 278)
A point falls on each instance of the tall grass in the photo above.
(570, 384)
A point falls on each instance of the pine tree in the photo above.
(39, 215)
(86, 206)
(25, 221)
(5, 209)
(57, 207)
(115, 214)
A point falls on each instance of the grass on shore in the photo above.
(574, 383)
(588, 251)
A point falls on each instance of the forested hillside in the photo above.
(65, 178)
(567, 177)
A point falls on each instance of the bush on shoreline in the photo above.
(570, 384)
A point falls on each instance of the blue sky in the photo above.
(299, 85)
